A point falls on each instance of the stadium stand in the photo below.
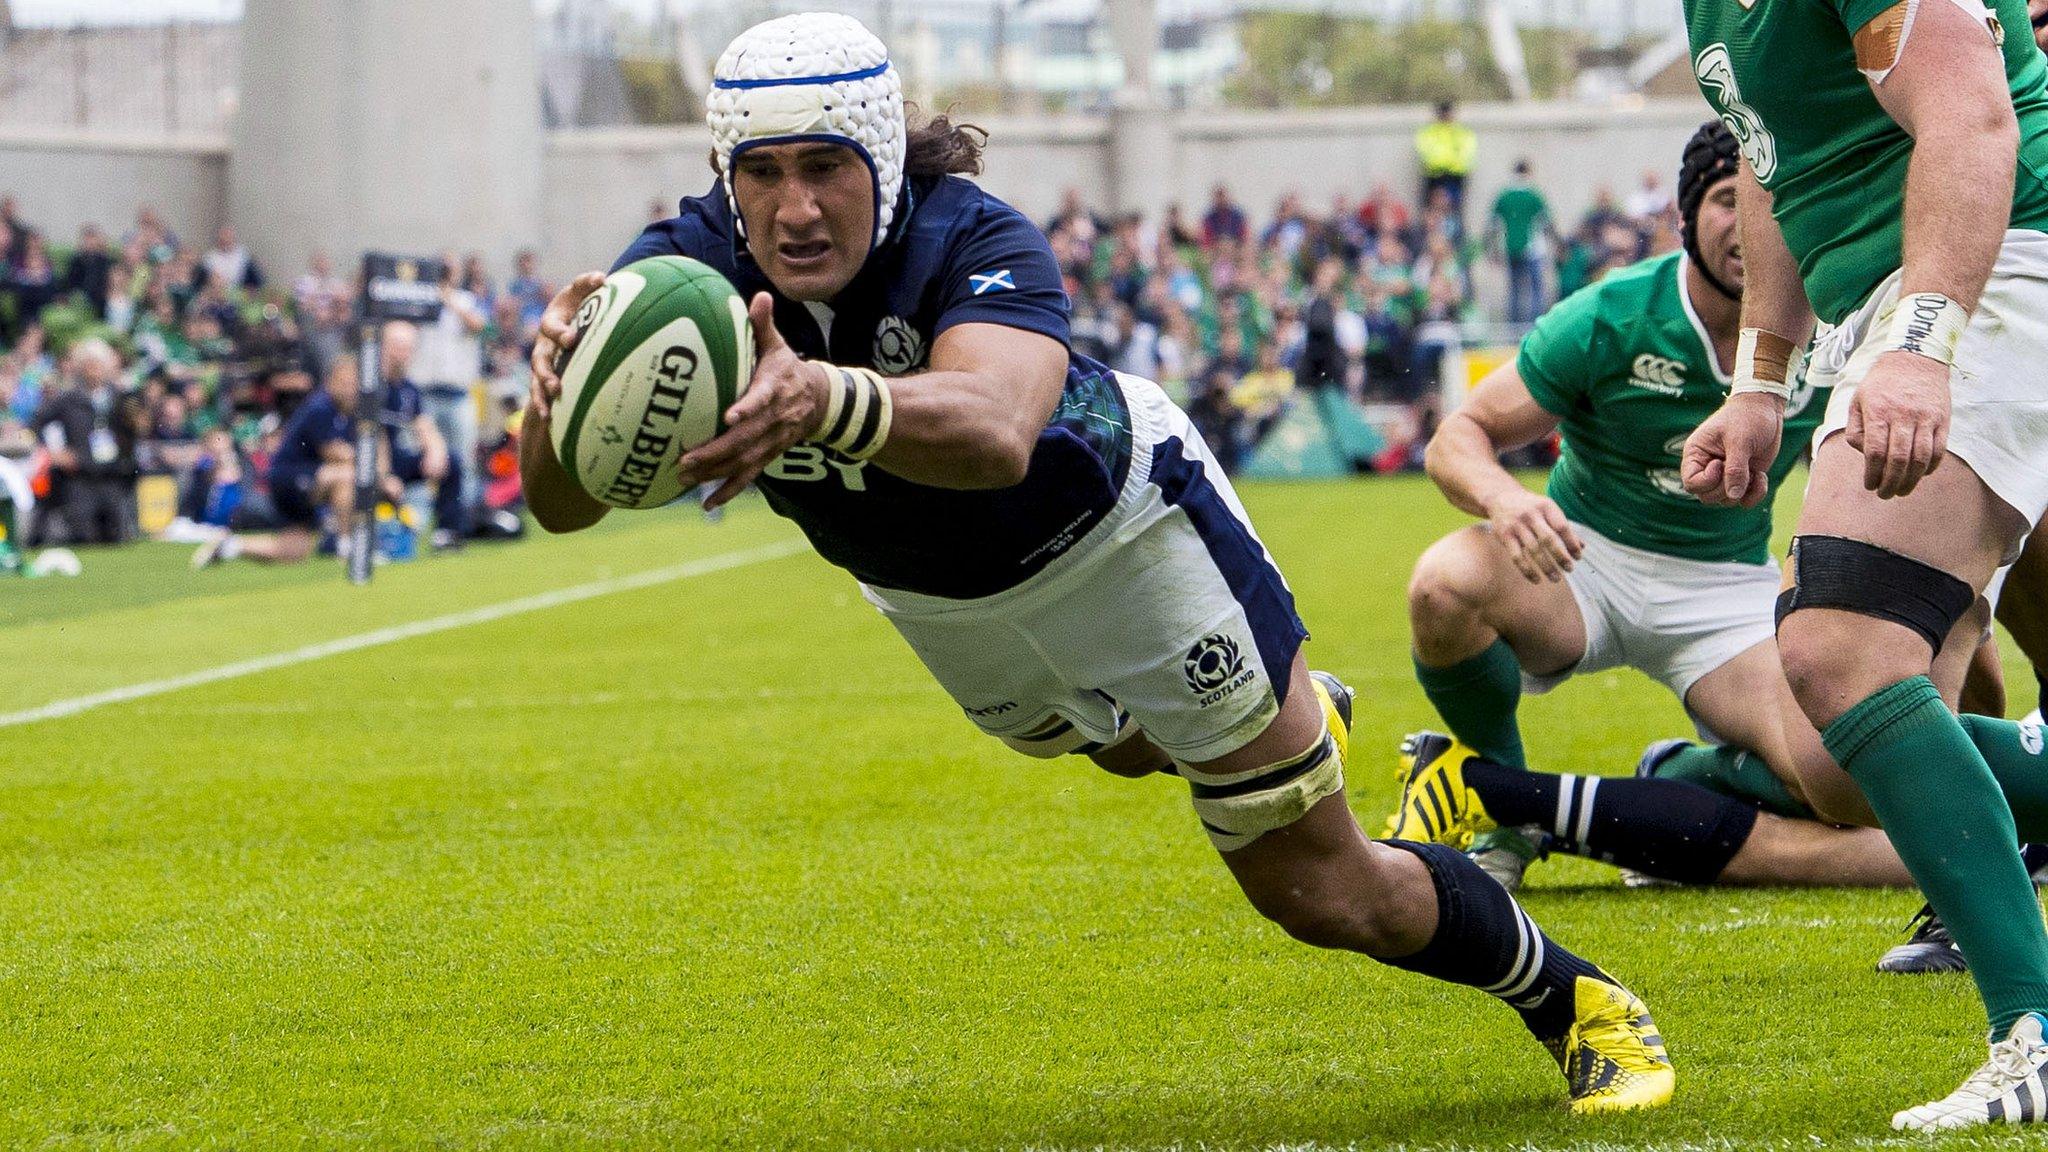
(1276, 333)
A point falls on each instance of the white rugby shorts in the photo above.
(1673, 619)
(1998, 386)
(1169, 615)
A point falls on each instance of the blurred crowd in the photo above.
(1235, 315)
(140, 354)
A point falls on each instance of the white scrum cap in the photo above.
(812, 76)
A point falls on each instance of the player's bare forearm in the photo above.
(1773, 295)
(1727, 459)
(1463, 458)
(1949, 91)
(973, 421)
(952, 431)
(555, 501)
(1463, 462)
(970, 422)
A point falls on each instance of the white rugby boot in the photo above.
(2008, 1089)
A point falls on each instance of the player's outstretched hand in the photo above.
(557, 336)
(782, 404)
(1540, 541)
(1898, 419)
(1728, 459)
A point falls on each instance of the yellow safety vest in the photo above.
(1446, 149)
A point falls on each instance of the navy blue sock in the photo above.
(1667, 828)
(1484, 940)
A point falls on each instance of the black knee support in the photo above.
(1849, 575)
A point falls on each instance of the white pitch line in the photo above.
(392, 635)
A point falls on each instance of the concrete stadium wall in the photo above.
(1575, 150)
(599, 185)
(65, 178)
(615, 174)
(401, 125)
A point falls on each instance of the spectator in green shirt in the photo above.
(1519, 231)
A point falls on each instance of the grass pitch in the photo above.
(713, 864)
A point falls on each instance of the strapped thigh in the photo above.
(1852, 576)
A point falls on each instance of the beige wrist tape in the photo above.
(1927, 324)
(858, 412)
(1764, 362)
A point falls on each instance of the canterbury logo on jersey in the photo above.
(1658, 374)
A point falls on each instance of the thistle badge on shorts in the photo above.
(1215, 669)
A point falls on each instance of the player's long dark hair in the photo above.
(939, 147)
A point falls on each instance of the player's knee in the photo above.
(1450, 580)
(1832, 661)
(1804, 640)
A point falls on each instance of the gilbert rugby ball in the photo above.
(662, 350)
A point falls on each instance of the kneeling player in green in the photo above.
(1619, 566)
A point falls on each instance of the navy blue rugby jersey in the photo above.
(314, 425)
(956, 255)
(403, 404)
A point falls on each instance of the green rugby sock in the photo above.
(1477, 699)
(1940, 804)
(2015, 756)
(1733, 773)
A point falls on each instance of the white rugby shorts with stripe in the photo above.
(1169, 616)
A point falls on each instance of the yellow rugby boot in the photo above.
(1336, 697)
(1613, 1059)
(1436, 807)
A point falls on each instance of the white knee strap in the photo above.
(1240, 807)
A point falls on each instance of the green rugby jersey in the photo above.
(1627, 367)
(1782, 75)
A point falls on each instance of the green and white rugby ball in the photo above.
(661, 351)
